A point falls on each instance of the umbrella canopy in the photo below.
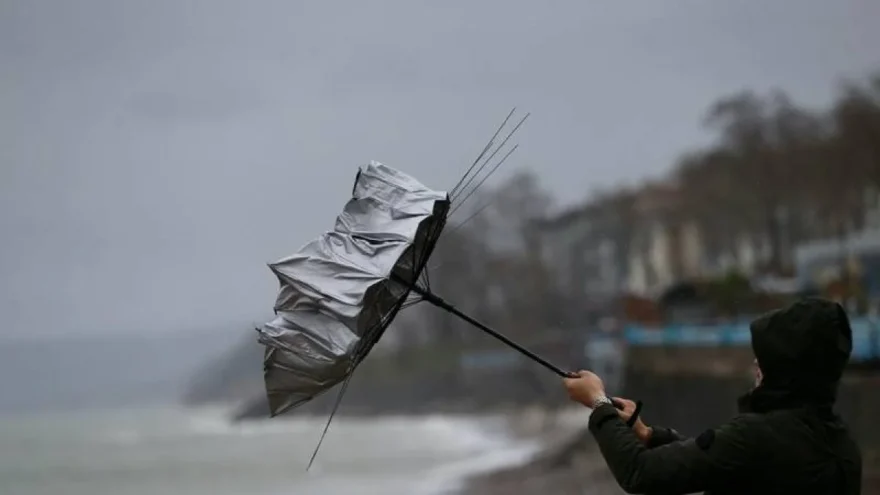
(339, 292)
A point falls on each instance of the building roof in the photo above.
(859, 243)
(657, 196)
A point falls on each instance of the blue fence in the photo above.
(866, 336)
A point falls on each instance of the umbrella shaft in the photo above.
(442, 304)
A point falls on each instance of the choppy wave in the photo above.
(450, 478)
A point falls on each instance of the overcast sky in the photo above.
(154, 155)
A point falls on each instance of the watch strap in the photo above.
(632, 419)
(601, 401)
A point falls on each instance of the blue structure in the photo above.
(860, 251)
(866, 336)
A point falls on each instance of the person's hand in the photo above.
(585, 388)
(625, 410)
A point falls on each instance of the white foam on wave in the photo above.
(484, 447)
(468, 445)
(402, 443)
(450, 478)
(498, 451)
(465, 434)
(429, 454)
(209, 424)
(463, 446)
(132, 428)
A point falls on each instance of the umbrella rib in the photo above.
(490, 157)
(494, 169)
(425, 278)
(411, 302)
(485, 150)
(336, 405)
(467, 179)
(475, 214)
(435, 231)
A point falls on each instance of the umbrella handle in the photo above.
(442, 304)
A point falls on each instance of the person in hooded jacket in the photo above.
(786, 440)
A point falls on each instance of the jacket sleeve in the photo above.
(662, 436)
(716, 459)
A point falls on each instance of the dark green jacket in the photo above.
(786, 439)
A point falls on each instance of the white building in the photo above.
(586, 250)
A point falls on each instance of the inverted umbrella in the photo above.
(340, 291)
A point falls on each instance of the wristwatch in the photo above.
(605, 400)
(600, 401)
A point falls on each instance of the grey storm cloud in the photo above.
(208, 105)
(155, 154)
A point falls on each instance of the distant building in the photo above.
(669, 245)
(640, 243)
(655, 255)
(645, 242)
(586, 249)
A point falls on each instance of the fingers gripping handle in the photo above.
(635, 415)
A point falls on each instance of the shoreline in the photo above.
(543, 451)
(566, 461)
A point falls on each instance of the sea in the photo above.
(178, 451)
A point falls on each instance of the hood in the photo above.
(802, 351)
